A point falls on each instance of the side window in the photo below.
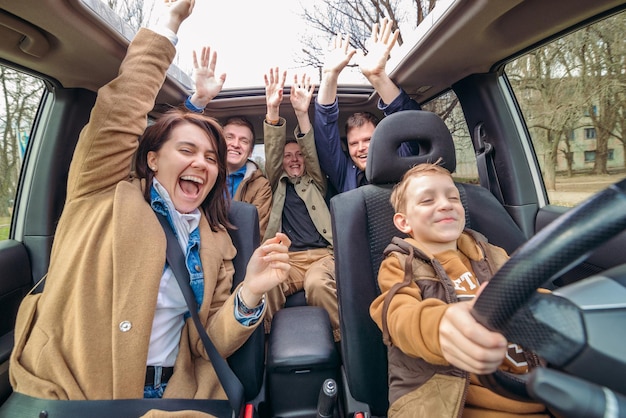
(572, 95)
(258, 155)
(20, 95)
(447, 106)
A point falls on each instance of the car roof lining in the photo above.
(443, 54)
(482, 36)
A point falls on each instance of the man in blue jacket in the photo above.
(348, 172)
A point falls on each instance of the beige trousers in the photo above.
(313, 271)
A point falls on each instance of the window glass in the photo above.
(572, 95)
(258, 155)
(21, 95)
(448, 106)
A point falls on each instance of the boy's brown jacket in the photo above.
(421, 382)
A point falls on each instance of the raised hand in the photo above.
(379, 46)
(300, 96)
(274, 85)
(207, 84)
(301, 93)
(175, 12)
(339, 55)
(267, 268)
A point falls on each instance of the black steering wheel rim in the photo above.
(554, 249)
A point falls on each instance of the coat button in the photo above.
(313, 207)
(125, 326)
(197, 268)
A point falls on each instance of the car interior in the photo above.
(463, 68)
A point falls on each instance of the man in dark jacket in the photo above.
(347, 172)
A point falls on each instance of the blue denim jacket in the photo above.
(192, 252)
(245, 316)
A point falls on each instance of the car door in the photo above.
(539, 134)
(45, 120)
(15, 267)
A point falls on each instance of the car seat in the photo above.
(362, 228)
(248, 362)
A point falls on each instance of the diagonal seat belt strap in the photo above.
(231, 384)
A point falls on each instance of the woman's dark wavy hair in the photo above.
(216, 205)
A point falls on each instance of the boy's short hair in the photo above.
(398, 194)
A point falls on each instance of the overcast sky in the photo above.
(250, 36)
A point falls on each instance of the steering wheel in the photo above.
(578, 329)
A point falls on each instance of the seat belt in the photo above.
(175, 258)
(484, 160)
(20, 405)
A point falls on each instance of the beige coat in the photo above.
(86, 336)
(311, 187)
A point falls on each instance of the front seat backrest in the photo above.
(248, 361)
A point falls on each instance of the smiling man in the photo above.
(246, 182)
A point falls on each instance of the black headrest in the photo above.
(384, 165)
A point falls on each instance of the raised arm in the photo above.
(301, 95)
(339, 55)
(372, 64)
(332, 159)
(207, 85)
(274, 129)
(105, 149)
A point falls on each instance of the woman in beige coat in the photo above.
(111, 305)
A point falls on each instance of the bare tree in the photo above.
(355, 18)
(132, 11)
(601, 57)
(20, 96)
(547, 84)
(593, 58)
